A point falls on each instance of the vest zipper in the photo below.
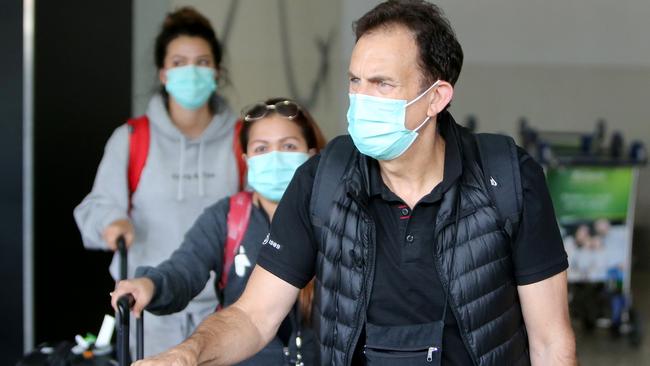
(430, 353)
(445, 286)
(368, 279)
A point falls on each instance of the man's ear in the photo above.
(312, 152)
(440, 97)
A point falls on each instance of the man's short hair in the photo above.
(440, 54)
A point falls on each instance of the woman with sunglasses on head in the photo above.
(161, 170)
(278, 136)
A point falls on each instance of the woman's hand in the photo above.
(142, 289)
(116, 229)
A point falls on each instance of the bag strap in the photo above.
(296, 336)
(333, 163)
(139, 136)
(500, 162)
(239, 152)
(237, 222)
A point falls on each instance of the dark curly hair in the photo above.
(440, 54)
(186, 21)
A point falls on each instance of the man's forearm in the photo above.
(238, 331)
(562, 351)
(224, 338)
(544, 305)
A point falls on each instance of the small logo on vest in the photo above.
(493, 182)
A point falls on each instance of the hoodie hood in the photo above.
(222, 122)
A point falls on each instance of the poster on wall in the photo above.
(592, 205)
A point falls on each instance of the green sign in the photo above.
(589, 193)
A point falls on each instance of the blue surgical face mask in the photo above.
(377, 125)
(191, 86)
(269, 174)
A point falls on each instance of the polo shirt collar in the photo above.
(453, 167)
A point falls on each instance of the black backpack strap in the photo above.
(333, 163)
(500, 162)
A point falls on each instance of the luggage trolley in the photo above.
(592, 183)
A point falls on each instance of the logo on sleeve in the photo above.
(271, 242)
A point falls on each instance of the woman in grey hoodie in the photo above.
(278, 136)
(190, 164)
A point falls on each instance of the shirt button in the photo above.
(410, 238)
(405, 212)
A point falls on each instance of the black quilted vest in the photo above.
(481, 285)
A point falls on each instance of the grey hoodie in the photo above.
(180, 179)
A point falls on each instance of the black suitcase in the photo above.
(60, 354)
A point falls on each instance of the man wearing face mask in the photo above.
(413, 263)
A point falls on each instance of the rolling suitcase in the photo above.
(61, 354)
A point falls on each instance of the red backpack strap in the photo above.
(237, 223)
(239, 152)
(138, 151)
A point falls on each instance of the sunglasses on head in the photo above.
(285, 108)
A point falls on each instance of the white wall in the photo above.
(582, 32)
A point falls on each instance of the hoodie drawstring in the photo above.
(181, 170)
(200, 168)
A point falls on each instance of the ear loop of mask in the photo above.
(423, 93)
(418, 98)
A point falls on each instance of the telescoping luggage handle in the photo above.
(124, 305)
